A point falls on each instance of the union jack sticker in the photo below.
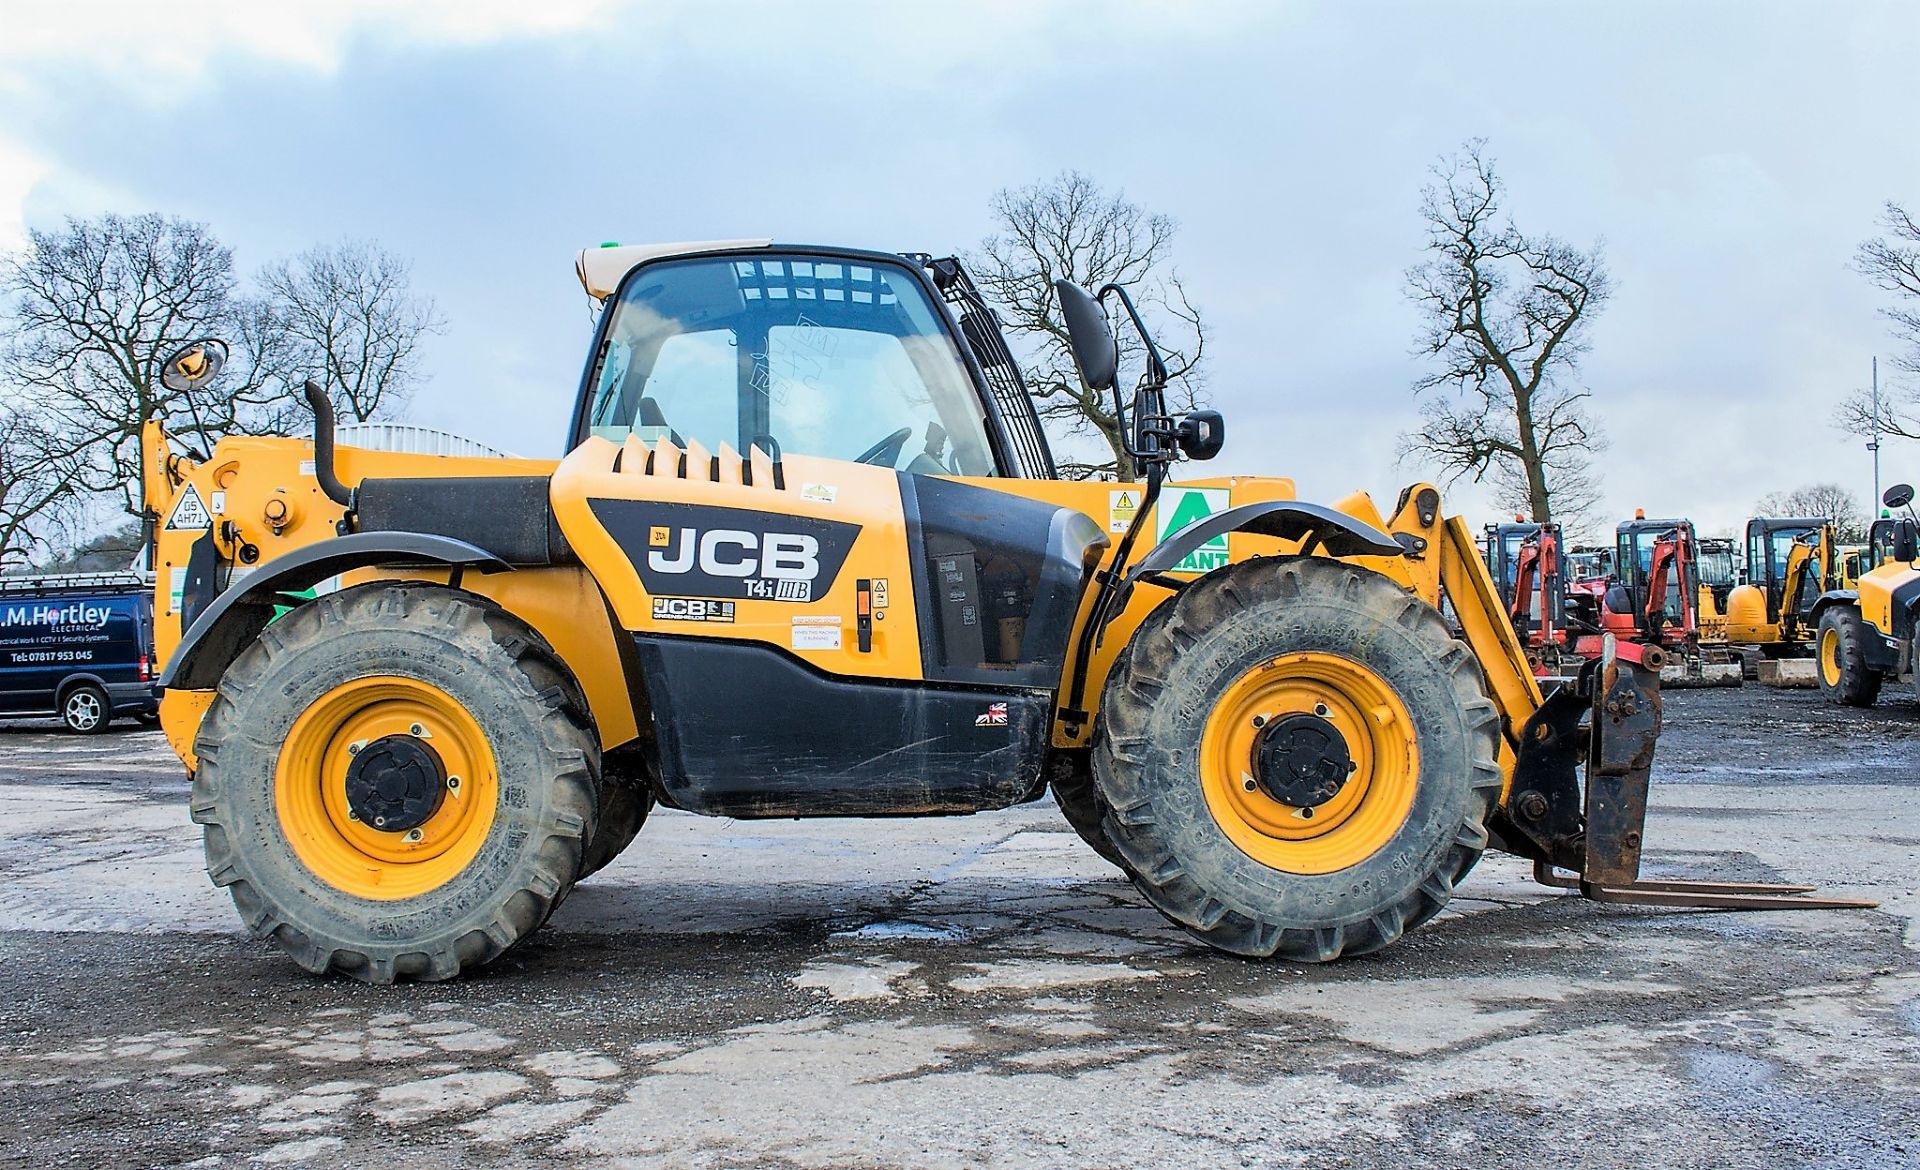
(994, 716)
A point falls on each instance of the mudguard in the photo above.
(1323, 529)
(236, 617)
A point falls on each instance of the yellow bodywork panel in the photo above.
(260, 500)
(820, 630)
(1876, 588)
(260, 492)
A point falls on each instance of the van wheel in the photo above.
(85, 710)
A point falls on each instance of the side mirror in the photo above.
(1898, 496)
(1094, 349)
(1201, 434)
(194, 365)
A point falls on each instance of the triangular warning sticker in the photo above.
(189, 514)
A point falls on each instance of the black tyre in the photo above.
(1840, 659)
(85, 709)
(396, 781)
(1298, 759)
(1071, 778)
(627, 783)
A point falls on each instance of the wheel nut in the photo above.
(414, 835)
(379, 822)
(353, 749)
(453, 784)
(1259, 720)
(352, 816)
(1306, 814)
(1320, 709)
(417, 731)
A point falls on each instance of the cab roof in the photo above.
(602, 269)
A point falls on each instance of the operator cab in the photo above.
(1770, 545)
(803, 351)
(1892, 538)
(1637, 542)
(1516, 547)
(1718, 570)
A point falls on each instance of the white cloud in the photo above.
(20, 170)
(160, 46)
(151, 52)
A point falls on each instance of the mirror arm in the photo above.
(1156, 369)
(1150, 446)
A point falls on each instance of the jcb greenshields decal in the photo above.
(695, 550)
(1179, 507)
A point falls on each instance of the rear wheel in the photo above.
(1840, 659)
(1297, 759)
(396, 781)
(85, 710)
(1071, 779)
(627, 784)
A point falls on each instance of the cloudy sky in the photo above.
(1730, 155)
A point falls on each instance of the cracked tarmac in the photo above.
(984, 991)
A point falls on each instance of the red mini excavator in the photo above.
(1653, 600)
(1525, 561)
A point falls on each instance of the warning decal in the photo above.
(189, 514)
(1121, 507)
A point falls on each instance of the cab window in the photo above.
(793, 354)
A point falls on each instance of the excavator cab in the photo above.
(1658, 577)
(1718, 570)
(1525, 560)
(1790, 558)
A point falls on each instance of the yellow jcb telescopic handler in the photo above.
(807, 555)
(1866, 631)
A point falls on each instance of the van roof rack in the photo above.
(45, 583)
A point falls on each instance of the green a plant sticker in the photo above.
(1179, 507)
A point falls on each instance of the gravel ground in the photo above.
(983, 991)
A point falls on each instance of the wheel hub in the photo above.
(1302, 760)
(395, 784)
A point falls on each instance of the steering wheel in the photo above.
(887, 451)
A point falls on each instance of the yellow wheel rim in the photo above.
(1830, 656)
(1369, 808)
(310, 788)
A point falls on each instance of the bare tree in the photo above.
(344, 315)
(1892, 262)
(1068, 227)
(96, 308)
(36, 497)
(1506, 319)
(1829, 501)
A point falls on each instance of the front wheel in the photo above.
(1840, 657)
(1297, 759)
